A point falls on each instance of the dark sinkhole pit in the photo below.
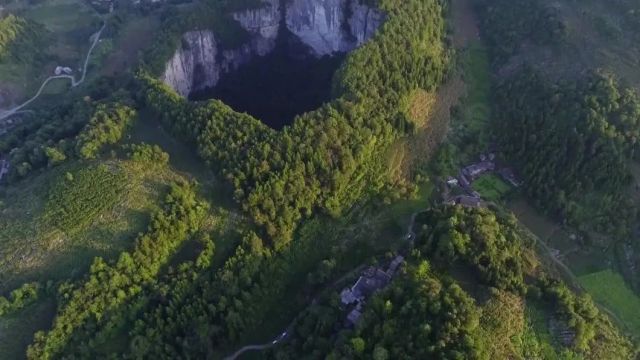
(275, 88)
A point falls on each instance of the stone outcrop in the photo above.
(325, 26)
(263, 24)
(330, 26)
(191, 68)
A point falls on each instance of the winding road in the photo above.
(7, 113)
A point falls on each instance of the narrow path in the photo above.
(260, 347)
(7, 113)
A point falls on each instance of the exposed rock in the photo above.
(364, 22)
(319, 24)
(326, 26)
(263, 23)
(193, 66)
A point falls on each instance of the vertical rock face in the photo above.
(319, 24)
(193, 65)
(263, 24)
(364, 22)
(330, 26)
(325, 26)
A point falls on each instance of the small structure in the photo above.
(464, 181)
(347, 297)
(354, 315)
(451, 181)
(475, 170)
(508, 176)
(63, 70)
(468, 201)
(393, 267)
(371, 280)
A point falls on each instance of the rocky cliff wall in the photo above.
(325, 26)
(330, 26)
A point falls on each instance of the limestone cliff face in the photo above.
(193, 64)
(263, 24)
(364, 22)
(330, 26)
(325, 26)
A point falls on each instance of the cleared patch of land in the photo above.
(491, 187)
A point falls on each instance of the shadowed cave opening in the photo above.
(276, 87)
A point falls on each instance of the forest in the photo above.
(570, 140)
(508, 25)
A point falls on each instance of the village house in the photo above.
(371, 280)
(468, 201)
(508, 176)
(475, 170)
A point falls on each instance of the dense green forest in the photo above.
(509, 24)
(572, 142)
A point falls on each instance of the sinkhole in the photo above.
(277, 87)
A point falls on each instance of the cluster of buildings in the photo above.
(370, 281)
(469, 174)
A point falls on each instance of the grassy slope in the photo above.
(32, 249)
(610, 289)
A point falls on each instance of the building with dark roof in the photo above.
(508, 175)
(468, 201)
(475, 170)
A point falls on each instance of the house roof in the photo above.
(354, 316)
(348, 297)
(468, 201)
